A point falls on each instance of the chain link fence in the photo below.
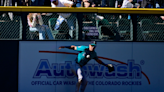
(150, 28)
(100, 27)
(10, 28)
(115, 27)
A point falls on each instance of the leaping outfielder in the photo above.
(86, 54)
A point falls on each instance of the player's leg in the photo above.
(77, 86)
(79, 79)
(83, 83)
(77, 72)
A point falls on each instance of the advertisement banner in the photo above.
(45, 68)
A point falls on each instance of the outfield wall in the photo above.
(138, 67)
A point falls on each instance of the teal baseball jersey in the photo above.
(85, 55)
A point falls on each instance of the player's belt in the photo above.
(79, 64)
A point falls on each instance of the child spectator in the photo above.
(36, 23)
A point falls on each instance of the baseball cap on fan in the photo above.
(93, 43)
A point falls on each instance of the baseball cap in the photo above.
(53, 0)
(93, 43)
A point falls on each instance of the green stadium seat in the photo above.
(149, 31)
(63, 31)
(106, 32)
(125, 29)
(102, 22)
(57, 34)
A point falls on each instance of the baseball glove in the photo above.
(110, 67)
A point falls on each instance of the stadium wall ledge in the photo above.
(82, 9)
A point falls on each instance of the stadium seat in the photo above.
(63, 32)
(107, 32)
(51, 23)
(125, 29)
(57, 34)
(102, 22)
(149, 31)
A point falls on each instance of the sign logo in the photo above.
(129, 70)
(63, 70)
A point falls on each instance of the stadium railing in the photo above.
(118, 24)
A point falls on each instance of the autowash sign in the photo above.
(63, 70)
(45, 68)
(129, 70)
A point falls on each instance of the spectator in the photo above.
(77, 2)
(127, 4)
(36, 23)
(108, 3)
(96, 2)
(144, 3)
(118, 3)
(25, 2)
(101, 19)
(37, 2)
(150, 4)
(7, 3)
(137, 3)
(87, 3)
(67, 17)
(157, 5)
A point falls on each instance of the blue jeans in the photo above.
(70, 21)
(43, 30)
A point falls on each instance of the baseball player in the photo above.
(86, 54)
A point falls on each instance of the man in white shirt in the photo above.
(127, 4)
(64, 16)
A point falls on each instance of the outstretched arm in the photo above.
(109, 66)
(69, 47)
(100, 62)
